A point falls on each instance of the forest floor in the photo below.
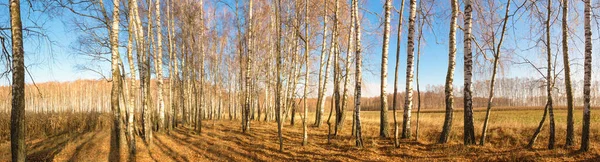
(223, 141)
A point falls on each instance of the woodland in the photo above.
(286, 80)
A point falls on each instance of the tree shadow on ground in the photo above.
(49, 148)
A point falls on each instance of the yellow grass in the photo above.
(223, 141)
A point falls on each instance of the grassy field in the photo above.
(509, 132)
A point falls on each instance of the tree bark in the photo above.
(493, 79)
(539, 128)
(306, 75)
(469, 129)
(278, 88)
(406, 133)
(450, 76)
(567, 66)
(131, 96)
(246, 116)
(320, 110)
(383, 123)
(159, 67)
(587, 78)
(17, 115)
(339, 115)
(116, 89)
(549, 79)
(394, 103)
(202, 98)
(358, 76)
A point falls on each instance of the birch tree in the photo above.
(358, 75)
(320, 110)
(278, 73)
(396, 142)
(246, 126)
(17, 115)
(131, 89)
(587, 78)
(566, 64)
(496, 53)
(406, 133)
(116, 89)
(468, 129)
(450, 76)
(383, 123)
(306, 74)
(159, 68)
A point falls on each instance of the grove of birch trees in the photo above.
(180, 63)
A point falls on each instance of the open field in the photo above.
(224, 141)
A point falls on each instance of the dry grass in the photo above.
(223, 141)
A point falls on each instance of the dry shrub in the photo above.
(41, 125)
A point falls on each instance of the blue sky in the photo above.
(58, 62)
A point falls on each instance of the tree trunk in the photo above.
(278, 94)
(383, 123)
(469, 129)
(418, 86)
(450, 76)
(394, 103)
(549, 79)
(17, 115)
(320, 110)
(567, 66)
(248, 69)
(358, 76)
(306, 75)
(406, 133)
(587, 78)
(145, 69)
(539, 128)
(158, 61)
(493, 79)
(116, 89)
(419, 37)
(339, 112)
(347, 77)
(200, 104)
(131, 96)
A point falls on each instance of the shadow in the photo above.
(188, 145)
(114, 153)
(169, 151)
(51, 147)
(79, 148)
(207, 146)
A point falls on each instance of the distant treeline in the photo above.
(94, 95)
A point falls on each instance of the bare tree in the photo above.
(549, 87)
(496, 52)
(246, 126)
(159, 66)
(116, 89)
(358, 75)
(306, 74)
(469, 129)
(278, 73)
(568, 87)
(17, 115)
(396, 142)
(450, 76)
(320, 110)
(409, 70)
(383, 123)
(549, 79)
(587, 78)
